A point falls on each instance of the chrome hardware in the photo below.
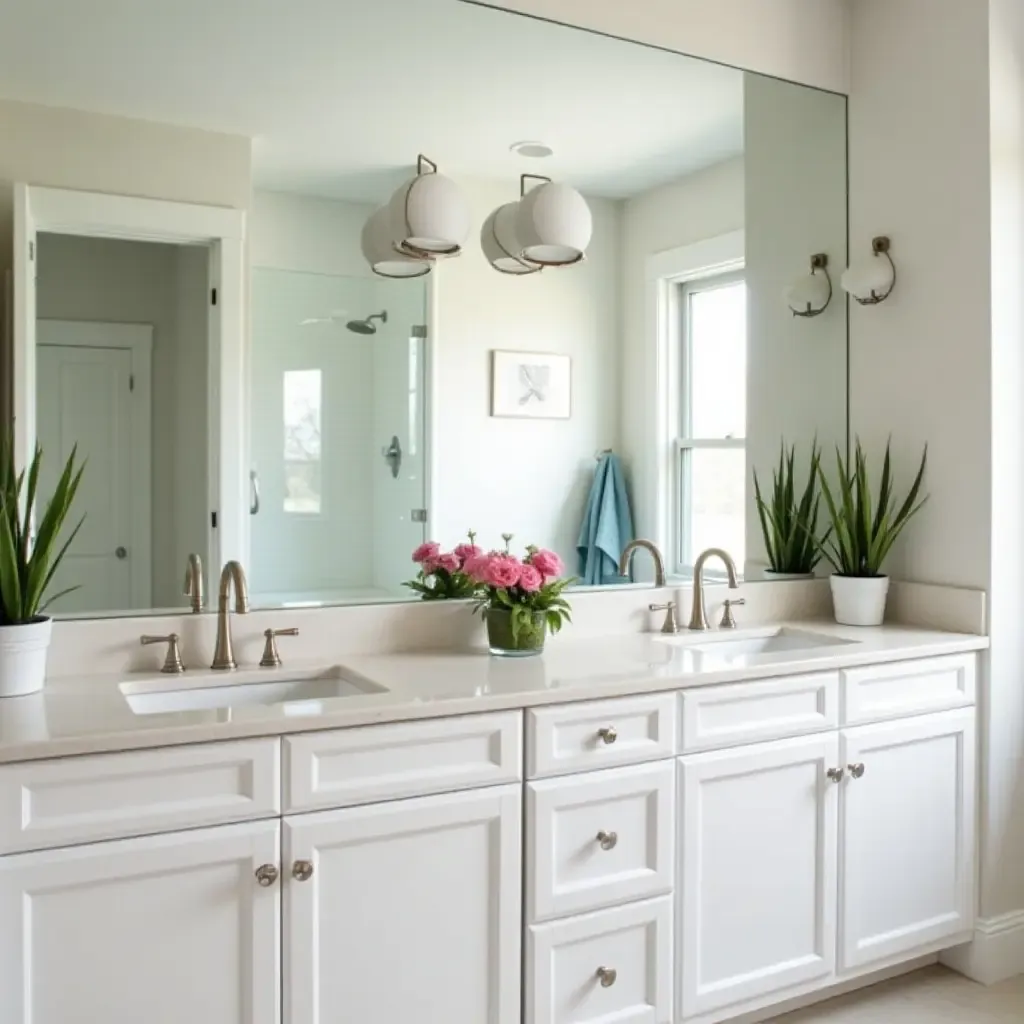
(835, 774)
(418, 515)
(194, 583)
(266, 875)
(607, 976)
(856, 770)
(608, 735)
(699, 614)
(728, 620)
(254, 496)
(393, 456)
(302, 870)
(223, 652)
(608, 840)
(671, 624)
(659, 562)
(121, 552)
(271, 656)
(172, 662)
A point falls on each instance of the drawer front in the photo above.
(345, 767)
(599, 839)
(772, 709)
(901, 688)
(600, 734)
(74, 800)
(615, 965)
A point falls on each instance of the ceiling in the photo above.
(340, 95)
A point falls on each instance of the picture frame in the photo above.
(531, 385)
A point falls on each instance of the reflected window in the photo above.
(302, 441)
(711, 449)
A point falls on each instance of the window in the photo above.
(302, 441)
(711, 461)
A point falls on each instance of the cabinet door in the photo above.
(759, 856)
(412, 912)
(908, 835)
(163, 929)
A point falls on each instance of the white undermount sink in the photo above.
(755, 643)
(249, 688)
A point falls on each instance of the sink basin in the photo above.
(756, 644)
(239, 689)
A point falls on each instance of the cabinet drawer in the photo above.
(771, 709)
(75, 800)
(600, 733)
(599, 839)
(902, 688)
(345, 767)
(615, 965)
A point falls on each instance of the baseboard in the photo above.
(996, 952)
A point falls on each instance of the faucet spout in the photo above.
(698, 614)
(231, 575)
(194, 583)
(659, 562)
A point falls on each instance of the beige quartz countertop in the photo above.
(84, 715)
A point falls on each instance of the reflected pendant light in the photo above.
(553, 223)
(380, 254)
(810, 295)
(429, 215)
(872, 280)
(500, 244)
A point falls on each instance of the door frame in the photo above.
(138, 340)
(222, 231)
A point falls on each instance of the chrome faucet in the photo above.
(223, 653)
(659, 562)
(194, 583)
(699, 615)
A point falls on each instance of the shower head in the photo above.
(367, 326)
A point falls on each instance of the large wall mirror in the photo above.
(384, 411)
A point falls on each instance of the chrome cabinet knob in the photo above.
(608, 840)
(856, 770)
(302, 870)
(607, 976)
(266, 875)
(835, 774)
(121, 551)
(608, 735)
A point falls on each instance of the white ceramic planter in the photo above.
(859, 600)
(23, 657)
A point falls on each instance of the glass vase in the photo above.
(502, 643)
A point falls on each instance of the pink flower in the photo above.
(503, 571)
(426, 552)
(464, 552)
(530, 579)
(475, 567)
(449, 562)
(547, 563)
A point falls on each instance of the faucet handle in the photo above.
(173, 664)
(728, 620)
(671, 623)
(271, 656)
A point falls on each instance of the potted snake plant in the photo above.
(863, 531)
(28, 561)
(789, 523)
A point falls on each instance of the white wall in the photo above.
(795, 154)
(801, 40)
(141, 282)
(702, 205)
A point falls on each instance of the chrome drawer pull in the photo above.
(266, 875)
(835, 774)
(608, 840)
(608, 735)
(606, 976)
(856, 770)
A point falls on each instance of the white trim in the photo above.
(138, 340)
(663, 271)
(431, 386)
(63, 211)
(996, 952)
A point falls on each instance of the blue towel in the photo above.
(607, 524)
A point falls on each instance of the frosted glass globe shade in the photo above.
(808, 294)
(554, 225)
(380, 254)
(872, 275)
(500, 244)
(429, 216)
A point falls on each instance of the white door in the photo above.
(166, 930)
(759, 860)
(908, 835)
(412, 911)
(85, 397)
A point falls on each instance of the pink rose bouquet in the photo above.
(442, 574)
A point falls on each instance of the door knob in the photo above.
(266, 875)
(302, 870)
(856, 770)
(121, 552)
(608, 734)
(607, 976)
(835, 774)
(608, 840)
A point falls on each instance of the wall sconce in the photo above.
(811, 294)
(430, 217)
(553, 223)
(382, 256)
(501, 246)
(873, 280)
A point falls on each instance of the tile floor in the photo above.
(931, 996)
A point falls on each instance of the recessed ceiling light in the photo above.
(535, 150)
